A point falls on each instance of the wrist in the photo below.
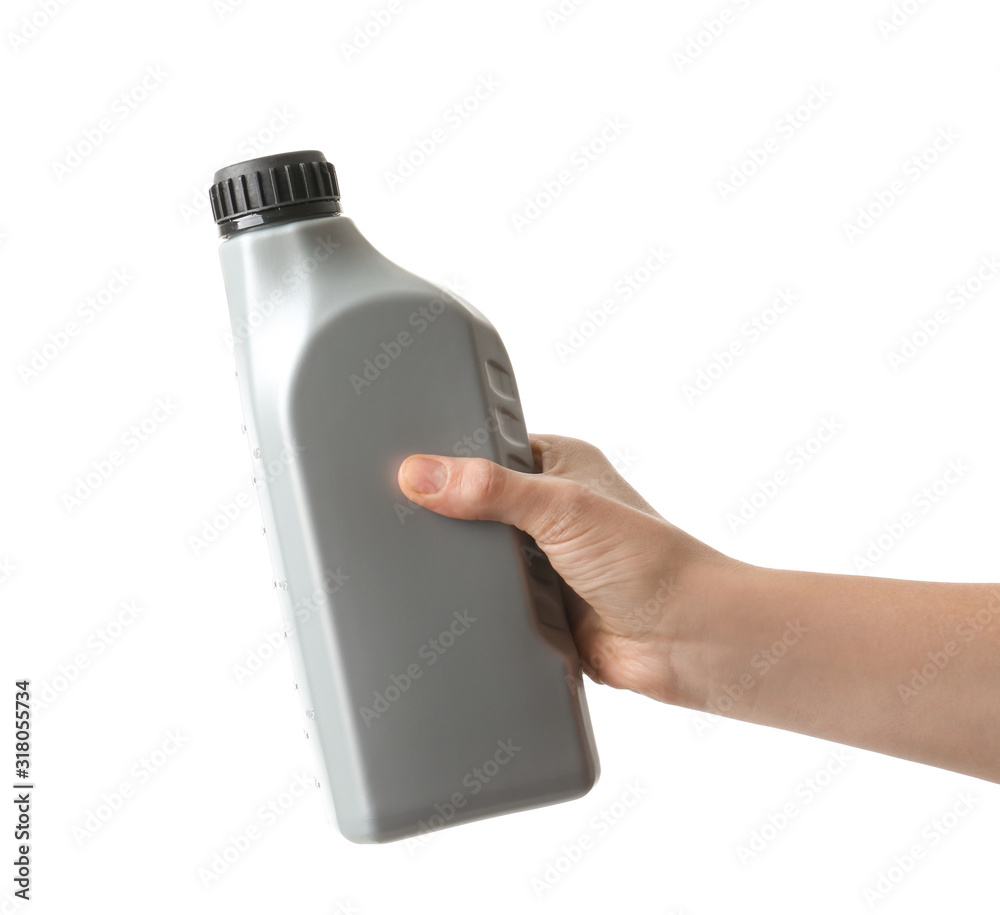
(718, 635)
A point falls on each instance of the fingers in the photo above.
(478, 489)
(586, 463)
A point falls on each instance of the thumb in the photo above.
(548, 508)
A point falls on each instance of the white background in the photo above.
(242, 79)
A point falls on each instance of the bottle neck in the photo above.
(278, 215)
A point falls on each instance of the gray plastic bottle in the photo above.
(438, 676)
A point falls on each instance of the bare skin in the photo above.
(905, 668)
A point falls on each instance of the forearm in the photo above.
(907, 668)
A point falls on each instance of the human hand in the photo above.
(623, 565)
